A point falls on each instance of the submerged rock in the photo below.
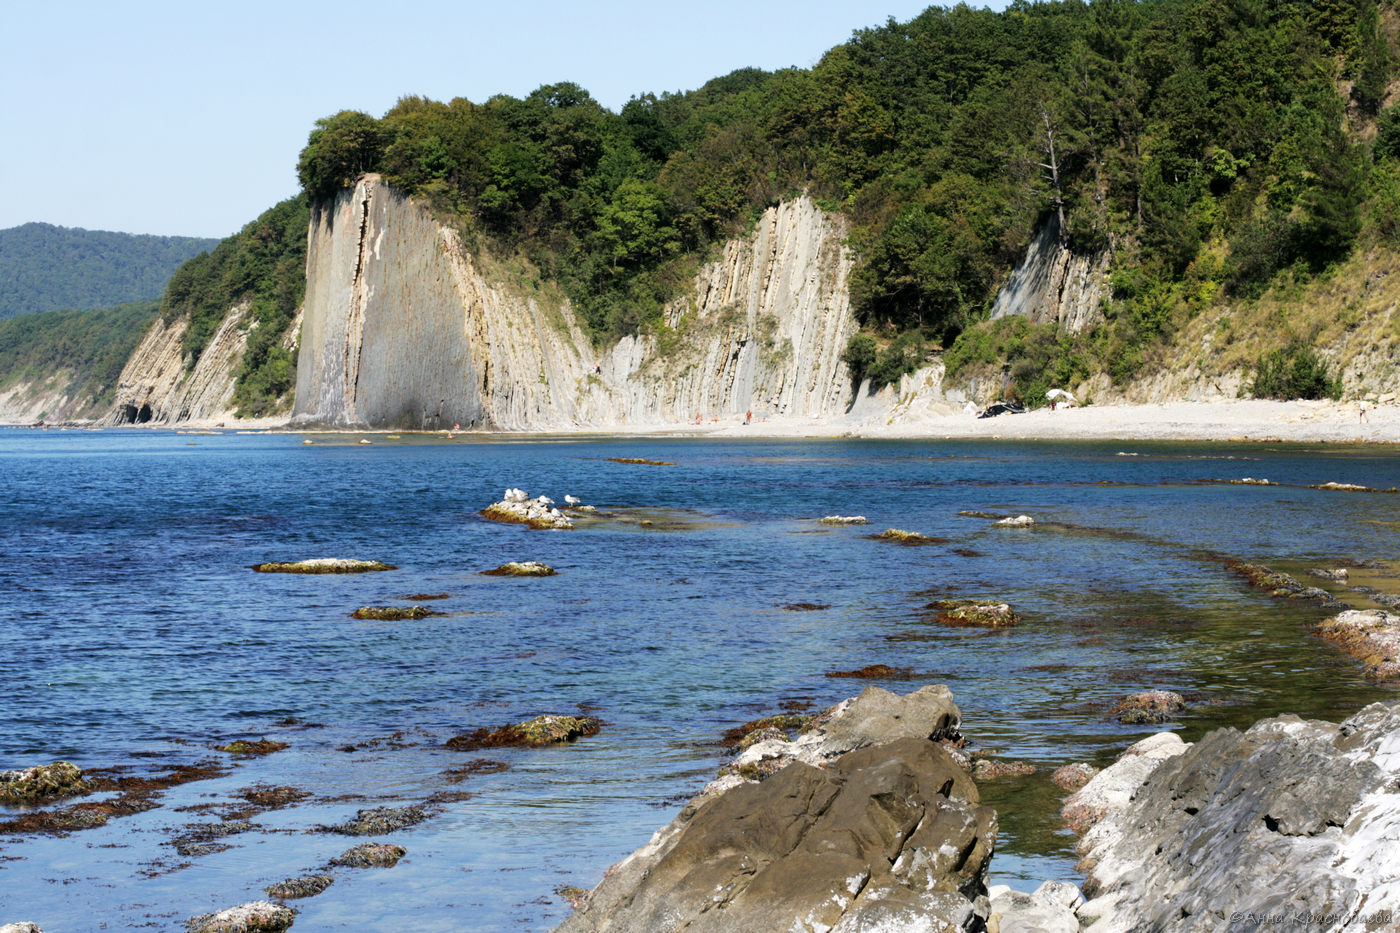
(254, 917)
(542, 730)
(393, 613)
(379, 820)
(1150, 706)
(517, 508)
(844, 520)
(1294, 823)
(370, 855)
(250, 747)
(874, 672)
(324, 565)
(1072, 777)
(1371, 636)
(305, 886)
(640, 460)
(889, 837)
(528, 568)
(989, 769)
(806, 607)
(41, 782)
(1283, 585)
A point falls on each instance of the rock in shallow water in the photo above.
(41, 782)
(305, 886)
(1150, 706)
(378, 820)
(518, 509)
(323, 565)
(254, 917)
(25, 927)
(526, 568)
(1371, 636)
(886, 837)
(542, 730)
(370, 855)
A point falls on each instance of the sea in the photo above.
(704, 592)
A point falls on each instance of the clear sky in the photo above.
(184, 118)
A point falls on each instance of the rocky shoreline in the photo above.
(869, 821)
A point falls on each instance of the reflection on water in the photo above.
(137, 636)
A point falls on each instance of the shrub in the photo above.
(1294, 372)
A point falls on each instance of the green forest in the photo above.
(88, 347)
(48, 268)
(1210, 146)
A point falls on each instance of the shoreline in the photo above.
(1229, 420)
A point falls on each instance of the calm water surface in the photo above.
(135, 635)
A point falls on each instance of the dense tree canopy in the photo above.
(1163, 130)
(48, 268)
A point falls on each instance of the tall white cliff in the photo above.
(1053, 285)
(403, 329)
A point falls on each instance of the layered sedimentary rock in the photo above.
(404, 328)
(887, 835)
(1292, 825)
(157, 386)
(1054, 285)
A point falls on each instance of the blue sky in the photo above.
(186, 118)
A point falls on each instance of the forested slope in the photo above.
(48, 268)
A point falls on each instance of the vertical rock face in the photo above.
(1055, 286)
(156, 387)
(403, 329)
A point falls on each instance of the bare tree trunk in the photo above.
(1053, 167)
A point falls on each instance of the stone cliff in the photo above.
(157, 387)
(403, 327)
(1056, 286)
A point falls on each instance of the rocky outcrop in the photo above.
(887, 837)
(1292, 825)
(405, 327)
(1054, 285)
(861, 823)
(157, 386)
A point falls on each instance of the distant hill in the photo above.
(48, 268)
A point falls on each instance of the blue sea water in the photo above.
(135, 635)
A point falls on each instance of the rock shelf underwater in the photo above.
(669, 633)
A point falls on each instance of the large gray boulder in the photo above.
(1292, 825)
(887, 837)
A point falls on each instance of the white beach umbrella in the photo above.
(1054, 394)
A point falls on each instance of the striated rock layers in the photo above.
(887, 836)
(158, 387)
(1056, 286)
(403, 327)
(1292, 825)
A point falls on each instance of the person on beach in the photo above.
(748, 416)
(1363, 412)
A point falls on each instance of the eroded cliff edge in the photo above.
(403, 328)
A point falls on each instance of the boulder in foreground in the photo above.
(1292, 826)
(890, 837)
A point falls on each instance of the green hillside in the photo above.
(84, 349)
(48, 268)
(1210, 145)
